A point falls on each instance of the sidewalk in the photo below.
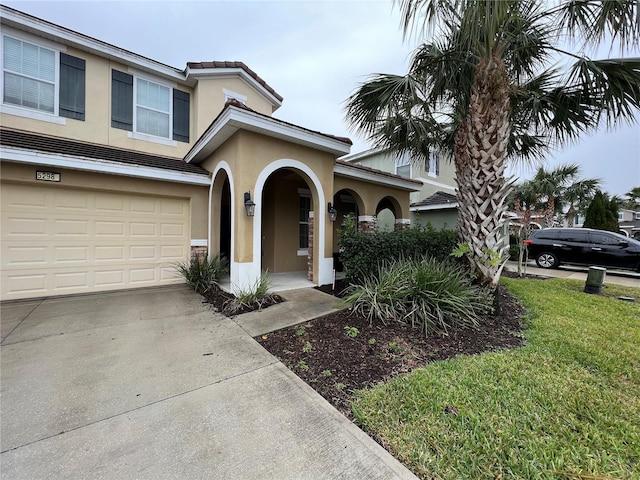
(618, 277)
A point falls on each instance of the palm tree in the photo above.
(488, 87)
(579, 195)
(632, 202)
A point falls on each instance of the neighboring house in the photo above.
(629, 222)
(435, 202)
(114, 167)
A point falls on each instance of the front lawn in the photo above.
(565, 406)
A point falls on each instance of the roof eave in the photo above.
(48, 160)
(380, 178)
(437, 206)
(233, 119)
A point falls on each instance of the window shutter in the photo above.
(437, 154)
(121, 100)
(72, 86)
(180, 116)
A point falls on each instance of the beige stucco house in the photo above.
(435, 203)
(114, 167)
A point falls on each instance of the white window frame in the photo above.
(620, 216)
(404, 161)
(637, 215)
(303, 192)
(135, 134)
(435, 159)
(21, 110)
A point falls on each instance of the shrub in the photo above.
(435, 295)
(256, 296)
(362, 253)
(203, 273)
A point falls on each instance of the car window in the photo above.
(604, 239)
(545, 234)
(573, 236)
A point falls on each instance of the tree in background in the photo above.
(488, 87)
(632, 202)
(602, 213)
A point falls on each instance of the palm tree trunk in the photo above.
(480, 160)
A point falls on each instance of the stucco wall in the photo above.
(207, 101)
(443, 219)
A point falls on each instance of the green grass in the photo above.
(567, 405)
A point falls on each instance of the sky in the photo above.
(314, 53)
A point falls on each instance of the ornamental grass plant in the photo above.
(432, 294)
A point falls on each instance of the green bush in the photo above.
(203, 273)
(433, 294)
(362, 253)
(256, 296)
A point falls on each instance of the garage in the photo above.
(58, 240)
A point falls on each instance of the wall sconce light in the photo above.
(249, 205)
(333, 213)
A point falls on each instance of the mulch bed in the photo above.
(323, 354)
(219, 300)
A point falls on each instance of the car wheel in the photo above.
(547, 260)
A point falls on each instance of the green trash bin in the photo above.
(595, 279)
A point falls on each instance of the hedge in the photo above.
(362, 253)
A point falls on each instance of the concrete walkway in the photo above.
(150, 384)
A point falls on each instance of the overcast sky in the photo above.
(313, 53)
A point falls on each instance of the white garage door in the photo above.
(58, 241)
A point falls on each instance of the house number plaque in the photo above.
(47, 176)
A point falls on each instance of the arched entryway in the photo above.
(290, 213)
(221, 231)
(286, 200)
(388, 211)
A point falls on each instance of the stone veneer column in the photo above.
(310, 248)
(402, 224)
(198, 252)
(367, 224)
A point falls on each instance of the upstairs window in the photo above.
(432, 164)
(153, 109)
(29, 75)
(41, 79)
(403, 166)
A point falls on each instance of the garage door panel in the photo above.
(77, 280)
(143, 229)
(24, 226)
(22, 285)
(110, 278)
(109, 203)
(15, 256)
(74, 228)
(60, 241)
(65, 254)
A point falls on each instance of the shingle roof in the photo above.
(49, 144)
(241, 65)
(438, 198)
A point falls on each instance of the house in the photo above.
(114, 167)
(629, 223)
(435, 202)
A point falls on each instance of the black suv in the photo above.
(551, 247)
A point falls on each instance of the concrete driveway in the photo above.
(151, 384)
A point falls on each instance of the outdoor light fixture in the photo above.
(333, 213)
(249, 206)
